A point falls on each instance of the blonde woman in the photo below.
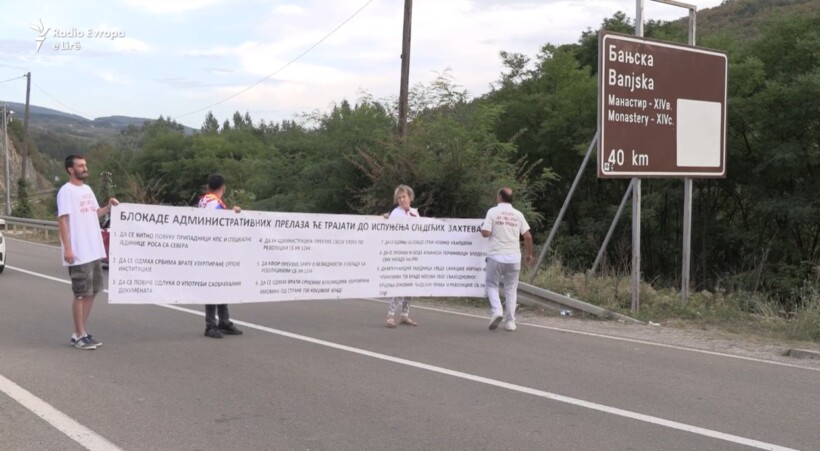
(403, 196)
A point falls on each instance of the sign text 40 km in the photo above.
(661, 109)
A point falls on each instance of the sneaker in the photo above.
(495, 321)
(73, 340)
(83, 343)
(213, 332)
(510, 326)
(229, 329)
(93, 341)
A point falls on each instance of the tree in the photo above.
(451, 157)
(22, 208)
(211, 124)
(774, 137)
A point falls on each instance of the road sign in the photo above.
(661, 109)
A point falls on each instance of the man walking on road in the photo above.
(213, 200)
(79, 222)
(503, 226)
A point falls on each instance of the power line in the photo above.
(284, 66)
(61, 103)
(12, 79)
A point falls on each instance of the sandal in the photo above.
(408, 321)
(390, 322)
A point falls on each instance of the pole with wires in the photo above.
(7, 174)
(405, 67)
(25, 126)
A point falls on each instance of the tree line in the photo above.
(756, 230)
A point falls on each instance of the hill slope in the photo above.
(744, 18)
(58, 134)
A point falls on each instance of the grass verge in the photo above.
(736, 312)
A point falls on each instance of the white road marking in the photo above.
(36, 274)
(488, 381)
(557, 329)
(62, 422)
(613, 337)
(31, 242)
(506, 385)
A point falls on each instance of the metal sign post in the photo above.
(661, 113)
(687, 193)
(564, 207)
(635, 284)
(687, 181)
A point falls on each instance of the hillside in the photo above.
(42, 117)
(58, 134)
(745, 19)
(36, 179)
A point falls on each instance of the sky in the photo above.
(178, 58)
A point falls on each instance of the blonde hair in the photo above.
(403, 189)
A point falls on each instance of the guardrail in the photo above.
(527, 294)
(33, 223)
(540, 297)
(22, 225)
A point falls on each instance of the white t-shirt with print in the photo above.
(399, 212)
(80, 204)
(506, 225)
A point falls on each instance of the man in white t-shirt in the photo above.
(503, 226)
(79, 221)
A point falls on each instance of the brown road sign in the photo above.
(661, 109)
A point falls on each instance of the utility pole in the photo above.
(25, 126)
(6, 158)
(405, 67)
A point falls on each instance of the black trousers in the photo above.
(211, 312)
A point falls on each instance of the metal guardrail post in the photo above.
(612, 228)
(564, 208)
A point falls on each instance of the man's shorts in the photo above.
(86, 279)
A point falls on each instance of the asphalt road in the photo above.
(326, 375)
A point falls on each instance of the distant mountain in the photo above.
(123, 122)
(20, 108)
(54, 120)
(56, 134)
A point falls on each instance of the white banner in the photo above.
(169, 255)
